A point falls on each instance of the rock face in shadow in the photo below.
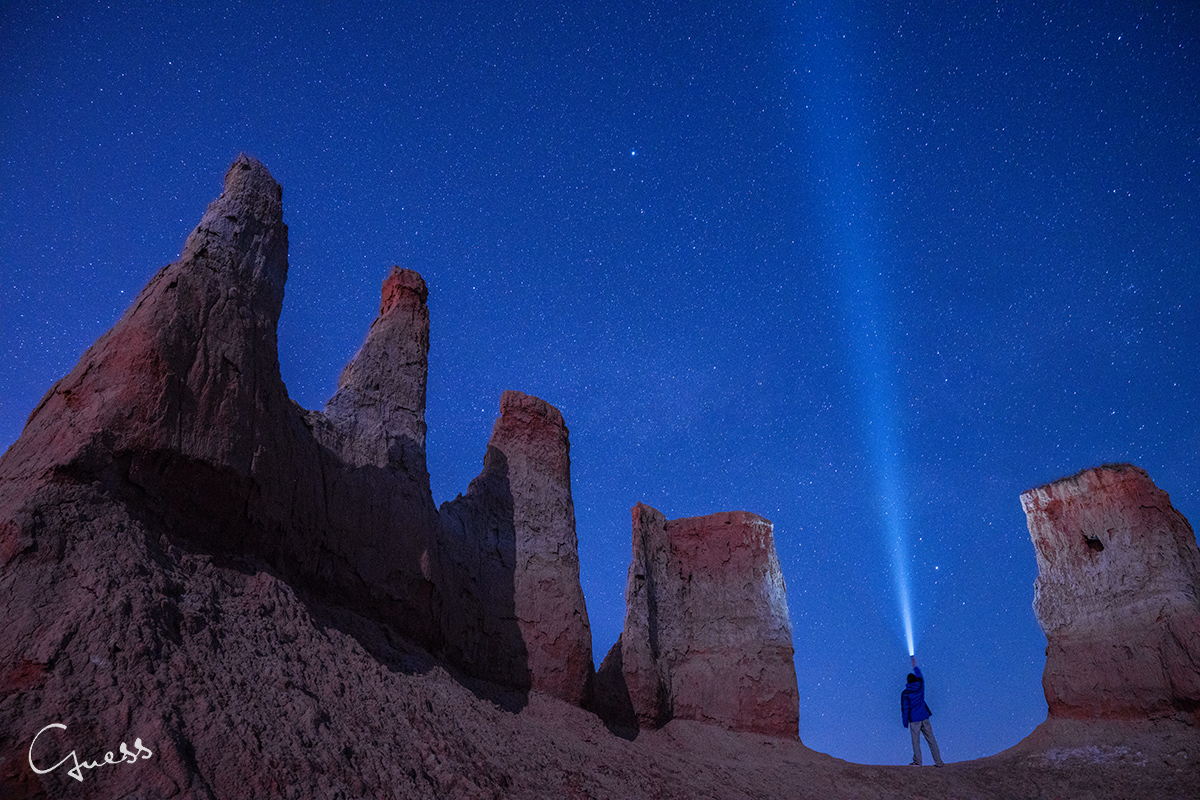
(168, 480)
(1117, 595)
(707, 634)
(180, 412)
(515, 549)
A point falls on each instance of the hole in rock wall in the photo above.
(1093, 543)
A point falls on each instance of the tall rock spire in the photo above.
(379, 408)
(193, 359)
(511, 558)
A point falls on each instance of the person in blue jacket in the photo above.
(915, 715)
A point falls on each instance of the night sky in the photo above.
(869, 270)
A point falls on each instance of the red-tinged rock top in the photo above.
(513, 401)
(713, 541)
(1116, 595)
(1094, 531)
(398, 282)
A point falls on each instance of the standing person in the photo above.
(915, 715)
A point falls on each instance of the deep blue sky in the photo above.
(867, 269)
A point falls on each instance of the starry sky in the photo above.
(869, 270)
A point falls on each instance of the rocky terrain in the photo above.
(235, 597)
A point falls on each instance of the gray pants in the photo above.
(926, 727)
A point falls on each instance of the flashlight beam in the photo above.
(849, 202)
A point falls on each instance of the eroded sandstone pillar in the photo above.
(1116, 595)
(707, 633)
(511, 562)
(379, 408)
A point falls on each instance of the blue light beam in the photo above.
(847, 197)
(875, 373)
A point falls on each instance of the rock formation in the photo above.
(263, 601)
(180, 411)
(181, 408)
(515, 547)
(375, 483)
(191, 360)
(1117, 595)
(168, 479)
(377, 416)
(707, 634)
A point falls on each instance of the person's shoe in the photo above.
(939, 765)
(914, 763)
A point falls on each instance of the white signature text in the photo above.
(127, 756)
